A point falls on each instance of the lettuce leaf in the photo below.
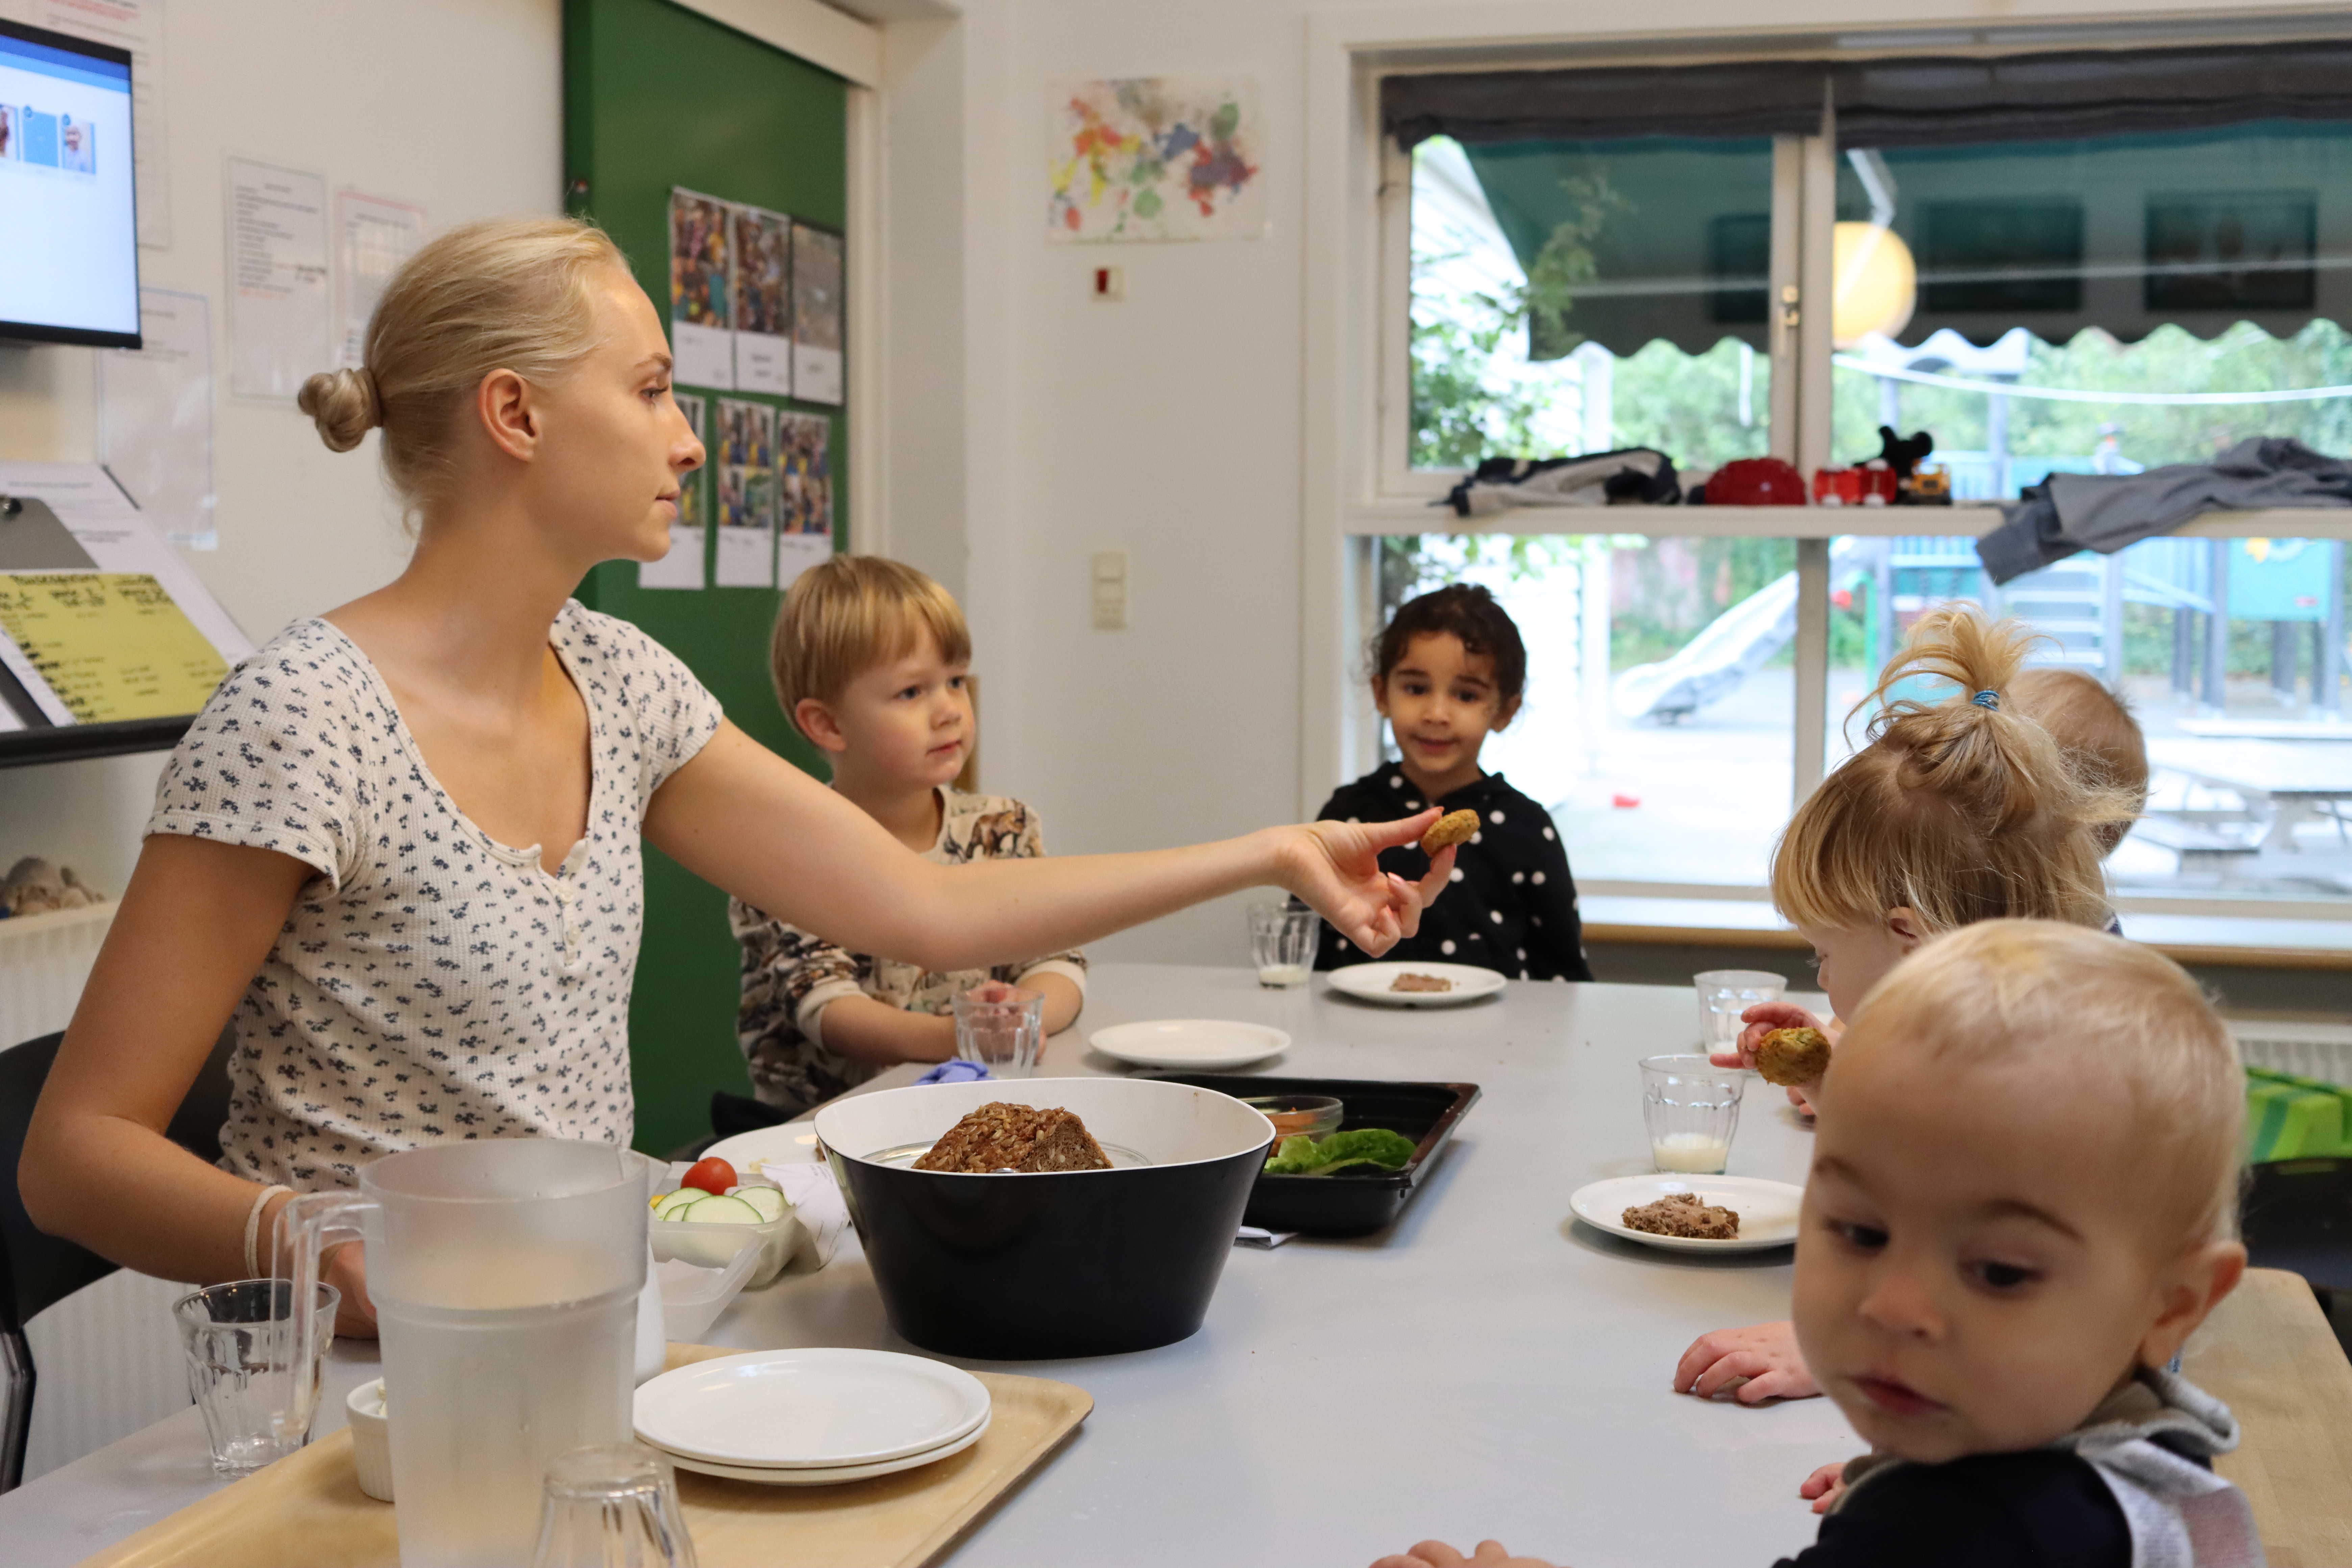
(1303, 1156)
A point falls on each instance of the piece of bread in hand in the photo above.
(1454, 827)
(1793, 1058)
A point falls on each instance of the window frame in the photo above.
(1378, 494)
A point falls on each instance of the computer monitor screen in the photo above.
(68, 218)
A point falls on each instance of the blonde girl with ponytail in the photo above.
(1957, 810)
(400, 852)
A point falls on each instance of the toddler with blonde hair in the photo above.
(2095, 732)
(2021, 1204)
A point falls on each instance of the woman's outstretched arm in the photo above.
(743, 817)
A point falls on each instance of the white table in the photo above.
(2283, 783)
(1486, 1367)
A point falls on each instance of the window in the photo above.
(2100, 305)
(1577, 296)
(2251, 770)
(2085, 264)
(1661, 759)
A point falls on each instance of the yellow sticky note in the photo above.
(111, 645)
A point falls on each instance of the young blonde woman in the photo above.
(400, 849)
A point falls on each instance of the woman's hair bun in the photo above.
(343, 404)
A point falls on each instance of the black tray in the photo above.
(1360, 1200)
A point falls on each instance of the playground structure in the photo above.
(2076, 604)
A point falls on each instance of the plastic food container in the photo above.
(1359, 1201)
(708, 1246)
(693, 1297)
(371, 1439)
(1297, 1115)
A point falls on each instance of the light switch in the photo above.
(1110, 283)
(1110, 590)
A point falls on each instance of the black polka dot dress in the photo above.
(1511, 907)
(430, 983)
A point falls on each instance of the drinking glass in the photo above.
(1282, 944)
(1724, 994)
(1692, 1108)
(239, 1364)
(1000, 1026)
(612, 1505)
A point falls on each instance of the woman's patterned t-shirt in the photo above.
(790, 977)
(430, 983)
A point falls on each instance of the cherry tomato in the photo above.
(713, 1176)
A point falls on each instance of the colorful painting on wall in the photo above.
(1155, 158)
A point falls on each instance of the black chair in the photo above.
(38, 1270)
(2297, 1215)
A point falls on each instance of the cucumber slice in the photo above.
(767, 1200)
(723, 1211)
(674, 1205)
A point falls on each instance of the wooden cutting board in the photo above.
(308, 1511)
(2269, 1354)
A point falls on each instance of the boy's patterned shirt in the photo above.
(790, 977)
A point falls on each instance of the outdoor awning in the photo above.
(2120, 190)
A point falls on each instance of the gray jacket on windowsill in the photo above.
(2067, 513)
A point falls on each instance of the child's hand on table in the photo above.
(1336, 867)
(1762, 1020)
(1766, 1354)
(1824, 1486)
(1437, 1554)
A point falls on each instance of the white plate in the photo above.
(1203, 1043)
(809, 1408)
(833, 1476)
(1767, 1210)
(1371, 982)
(792, 1144)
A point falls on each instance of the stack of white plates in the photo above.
(811, 1417)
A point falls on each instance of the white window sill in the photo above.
(2249, 940)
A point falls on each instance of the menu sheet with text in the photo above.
(111, 646)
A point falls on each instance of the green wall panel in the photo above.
(655, 97)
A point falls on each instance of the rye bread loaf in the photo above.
(1002, 1137)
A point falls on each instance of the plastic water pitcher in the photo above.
(506, 1275)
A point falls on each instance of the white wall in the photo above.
(1174, 424)
(1165, 425)
(455, 104)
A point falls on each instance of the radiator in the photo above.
(44, 960)
(108, 1356)
(2322, 1051)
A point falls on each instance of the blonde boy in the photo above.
(2020, 1206)
(871, 660)
(2096, 731)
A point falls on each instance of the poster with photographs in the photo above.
(764, 301)
(816, 315)
(682, 567)
(746, 466)
(702, 290)
(804, 493)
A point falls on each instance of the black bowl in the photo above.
(1054, 1264)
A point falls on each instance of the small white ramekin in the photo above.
(371, 1439)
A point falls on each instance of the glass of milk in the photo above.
(1282, 944)
(1692, 1108)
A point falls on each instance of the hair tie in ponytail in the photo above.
(1991, 699)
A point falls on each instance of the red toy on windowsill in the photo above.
(1756, 482)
